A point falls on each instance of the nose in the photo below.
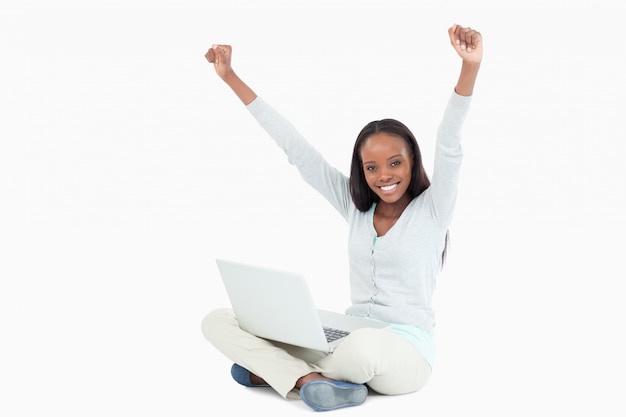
(385, 175)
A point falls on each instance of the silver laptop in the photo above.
(277, 305)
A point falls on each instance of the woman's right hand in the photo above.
(219, 56)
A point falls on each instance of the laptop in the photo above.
(277, 305)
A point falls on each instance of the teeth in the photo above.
(388, 187)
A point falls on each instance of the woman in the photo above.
(398, 221)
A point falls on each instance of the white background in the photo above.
(127, 167)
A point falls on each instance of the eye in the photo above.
(370, 167)
(395, 163)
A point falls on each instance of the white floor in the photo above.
(133, 346)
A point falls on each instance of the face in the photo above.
(387, 165)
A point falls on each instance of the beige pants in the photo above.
(384, 361)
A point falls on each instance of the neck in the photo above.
(393, 210)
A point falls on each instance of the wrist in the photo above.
(471, 65)
(229, 76)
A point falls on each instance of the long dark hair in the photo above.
(362, 195)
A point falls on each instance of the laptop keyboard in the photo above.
(334, 334)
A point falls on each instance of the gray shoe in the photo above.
(325, 395)
(242, 376)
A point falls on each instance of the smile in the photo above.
(389, 187)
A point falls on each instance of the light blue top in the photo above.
(392, 277)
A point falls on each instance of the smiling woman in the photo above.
(398, 223)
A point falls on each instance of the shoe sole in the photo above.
(322, 395)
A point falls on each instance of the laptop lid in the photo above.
(273, 304)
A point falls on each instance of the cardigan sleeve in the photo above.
(313, 168)
(448, 157)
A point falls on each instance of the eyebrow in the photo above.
(391, 157)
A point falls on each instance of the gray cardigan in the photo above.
(392, 277)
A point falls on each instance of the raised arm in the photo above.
(316, 171)
(468, 43)
(220, 56)
(448, 152)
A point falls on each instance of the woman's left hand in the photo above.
(467, 42)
